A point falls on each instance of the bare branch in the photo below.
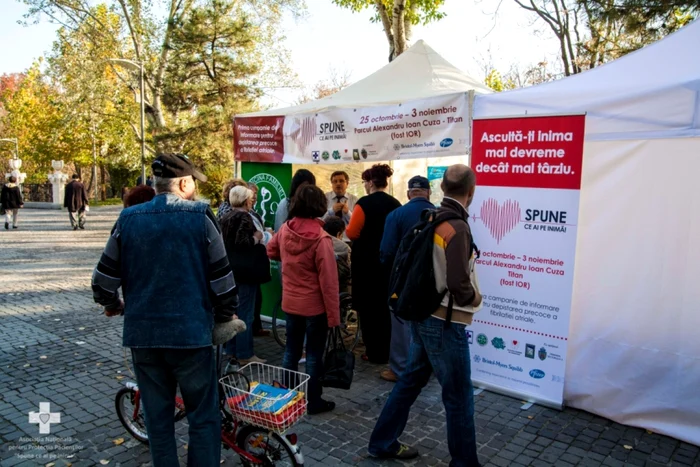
(132, 30)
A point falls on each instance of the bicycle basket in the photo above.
(275, 400)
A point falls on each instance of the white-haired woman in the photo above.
(251, 267)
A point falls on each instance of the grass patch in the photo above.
(107, 202)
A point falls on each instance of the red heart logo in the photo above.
(500, 219)
(515, 343)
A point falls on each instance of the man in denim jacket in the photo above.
(169, 258)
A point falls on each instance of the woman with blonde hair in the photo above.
(251, 267)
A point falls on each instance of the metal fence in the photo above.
(37, 192)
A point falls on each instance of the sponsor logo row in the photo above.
(359, 154)
(514, 347)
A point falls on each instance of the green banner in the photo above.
(273, 181)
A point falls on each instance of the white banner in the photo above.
(524, 221)
(416, 129)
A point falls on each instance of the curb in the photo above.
(38, 205)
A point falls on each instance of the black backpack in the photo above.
(413, 295)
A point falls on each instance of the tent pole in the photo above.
(471, 96)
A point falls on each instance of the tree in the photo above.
(651, 19)
(516, 78)
(398, 18)
(9, 83)
(213, 72)
(34, 118)
(151, 33)
(563, 18)
(495, 81)
(204, 61)
(94, 101)
(593, 32)
(326, 87)
(213, 75)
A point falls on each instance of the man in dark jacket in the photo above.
(437, 346)
(11, 202)
(76, 200)
(397, 225)
(169, 258)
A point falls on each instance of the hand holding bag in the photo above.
(338, 364)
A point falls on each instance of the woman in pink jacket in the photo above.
(309, 287)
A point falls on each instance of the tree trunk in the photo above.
(103, 177)
(561, 34)
(399, 25)
(386, 23)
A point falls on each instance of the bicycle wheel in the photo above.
(349, 322)
(125, 403)
(269, 447)
(279, 328)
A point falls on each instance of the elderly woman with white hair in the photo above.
(251, 267)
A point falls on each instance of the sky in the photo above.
(330, 37)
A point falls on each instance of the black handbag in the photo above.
(338, 364)
(251, 265)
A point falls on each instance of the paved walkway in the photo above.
(56, 347)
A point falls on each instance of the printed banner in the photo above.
(273, 181)
(258, 139)
(435, 175)
(431, 127)
(524, 220)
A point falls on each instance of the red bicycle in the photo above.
(258, 404)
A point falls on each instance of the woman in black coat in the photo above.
(251, 267)
(11, 202)
(370, 279)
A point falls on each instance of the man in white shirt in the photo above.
(340, 202)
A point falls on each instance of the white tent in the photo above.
(420, 72)
(634, 351)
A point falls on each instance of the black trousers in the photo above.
(375, 323)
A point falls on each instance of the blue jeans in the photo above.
(400, 344)
(444, 350)
(158, 373)
(241, 346)
(315, 328)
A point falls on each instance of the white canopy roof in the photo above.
(420, 72)
(651, 93)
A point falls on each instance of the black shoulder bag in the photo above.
(338, 363)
